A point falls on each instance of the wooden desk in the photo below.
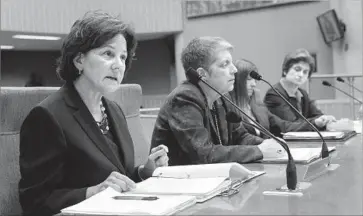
(335, 193)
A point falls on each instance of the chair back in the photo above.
(16, 103)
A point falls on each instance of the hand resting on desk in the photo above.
(271, 149)
(324, 120)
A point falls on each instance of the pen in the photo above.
(148, 198)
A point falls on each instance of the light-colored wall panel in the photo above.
(57, 16)
(265, 36)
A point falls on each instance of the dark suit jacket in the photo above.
(280, 108)
(270, 121)
(184, 125)
(63, 152)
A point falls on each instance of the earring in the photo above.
(79, 72)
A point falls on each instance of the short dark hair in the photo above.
(92, 31)
(200, 52)
(299, 55)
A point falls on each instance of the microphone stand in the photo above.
(318, 167)
(349, 84)
(324, 148)
(291, 176)
(326, 83)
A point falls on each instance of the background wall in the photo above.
(266, 35)
(150, 69)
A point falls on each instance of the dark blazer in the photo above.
(280, 108)
(184, 124)
(271, 122)
(63, 152)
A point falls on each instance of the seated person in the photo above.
(192, 122)
(296, 70)
(248, 98)
(76, 143)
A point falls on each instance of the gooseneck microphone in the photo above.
(291, 176)
(351, 85)
(326, 83)
(324, 147)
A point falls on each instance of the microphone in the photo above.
(351, 85)
(326, 83)
(291, 176)
(324, 147)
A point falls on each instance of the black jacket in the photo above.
(184, 124)
(63, 152)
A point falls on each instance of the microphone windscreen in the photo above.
(255, 75)
(193, 75)
(233, 117)
(340, 79)
(326, 83)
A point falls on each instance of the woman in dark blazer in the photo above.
(296, 70)
(76, 143)
(247, 97)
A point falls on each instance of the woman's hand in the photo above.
(158, 157)
(324, 120)
(115, 180)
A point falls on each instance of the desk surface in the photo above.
(337, 192)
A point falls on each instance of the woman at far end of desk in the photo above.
(296, 70)
(247, 97)
(76, 142)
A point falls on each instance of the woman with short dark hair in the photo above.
(76, 142)
(297, 68)
(248, 98)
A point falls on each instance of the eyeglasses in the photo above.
(233, 188)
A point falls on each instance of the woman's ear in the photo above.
(78, 61)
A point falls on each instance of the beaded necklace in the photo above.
(103, 124)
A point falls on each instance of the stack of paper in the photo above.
(300, 155)
(111, 202)
(202, 181)
(314, 135)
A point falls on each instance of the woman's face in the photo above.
(251, 85)
(221, 71)
(104, 67)
(298, 73)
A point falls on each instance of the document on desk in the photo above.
(111, 202)
(314, 135)
(202, 181)
(300, 155)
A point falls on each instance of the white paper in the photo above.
(308, 134)
(193, 186)
(103, 203)
(358, 126)
(302, 154)
(231, 170)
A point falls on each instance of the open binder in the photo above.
(201, 181)
(300, 155)
(111, 202)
